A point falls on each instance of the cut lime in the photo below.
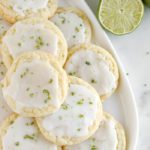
(120, 16)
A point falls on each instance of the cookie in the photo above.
(33, 34)
(94, 65)
(109, 136)
(4, 26)
(15, 10)
(35, 85)
(5, 111)
(77, 119)
(22, 133)
(79, 30)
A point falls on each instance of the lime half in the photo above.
(120, 16)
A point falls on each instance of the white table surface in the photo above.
(134, 52)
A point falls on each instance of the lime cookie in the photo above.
(109, 136)
(5, 111)
(22, 133)
(79, 25)
(4, 26)
(35, 85)
(77, 119)
(33, 34)
(14, 10)
(96, 66)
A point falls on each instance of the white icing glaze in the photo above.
(93, 68)
(30, 37)
(72, 27)
(75, 115)
(23, 134)
(4, 26)
(4, 109)
(20, 6)
(34, 84)
(105, 138)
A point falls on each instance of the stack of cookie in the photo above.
(54, 80)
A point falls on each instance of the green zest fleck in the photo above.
(17, 143)
(1, 63)
(65, 107)
(63, 19)
(81, 116)
(77, 29)
(87, 63)
(11, 122)
(74, 36)
(81, 25)
(72, 93)
(79, 129)
(39, 43)
(47, 93)
(27, 89)
(30, 137)
(90, 102)
(80, 102)
(19, 44)
(24, 73)
(2, 73)
(50, 81)
(29, 123)
(72, 73)
(31, 37)
(93, 81)
(93, 147)
(31, 94)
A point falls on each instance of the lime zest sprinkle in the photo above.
(81, 116)
(30, 137)
(17, 143)
(24, 73)
(30, 123)
(50, 81)
(93, 81)
(72, 93)
(31, 94)
(79, 129)
(87, 63)
(93, 147)
(48, 95)
(80, 102)
(39, 43)
(64, 106)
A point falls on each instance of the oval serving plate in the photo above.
(122, 103)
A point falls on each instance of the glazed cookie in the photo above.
(109, 136)
(14, 10)
(96, 66)
(33, 34)
(79, 25)
(35, 85)
(22, 133)
(77, 119)
(4, 26)
(4, 109)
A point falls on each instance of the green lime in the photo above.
(120, 16)
(147, 2)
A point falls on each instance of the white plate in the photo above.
(122, 103)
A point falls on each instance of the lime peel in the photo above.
(120, 16)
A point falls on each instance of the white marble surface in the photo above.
(134, 52)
